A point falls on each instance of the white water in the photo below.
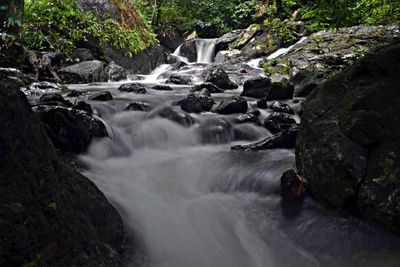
(283, 51)
(205, 50)
(196, 204)
(177, 53)
(154, 76)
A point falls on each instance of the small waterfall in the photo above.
(157, 72)
(177, 54)
(205, 50)
(283, 51)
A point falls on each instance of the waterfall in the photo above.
(177, 54)
(205, 50)
(283, 51)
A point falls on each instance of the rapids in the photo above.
(196, 203)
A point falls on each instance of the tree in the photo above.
(11, 13)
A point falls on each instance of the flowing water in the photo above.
(191, 201)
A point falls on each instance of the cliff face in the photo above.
(50, 215)
(348, 146)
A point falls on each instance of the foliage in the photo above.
(61, 25)
(283, 28)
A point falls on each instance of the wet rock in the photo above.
(278, 122)
(223, 42)
(216, 131)
(262, 44)
(256, 87)
(84, 72)
(203, 92)
(179, 79)
(285, 139)
(245, 36)
(171, 114)
(82, 105)
(136, 88)
(233, 56)
(82, 54)
(232, 105)
(251, 117)
(46, 206)
(281, 88)
(115, 72)
(348, 146)
(281, 107)
(262, 103)
(54, 99)
(305, 82)
(101, 96)
(196, 104)
(189, 50)
(161, 87)
(219, 77)
(138, 106)
(212, 88)
(39, 88)
(292, 185)
(75, 93)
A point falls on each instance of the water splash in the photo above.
(205, 50)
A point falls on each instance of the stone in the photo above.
(179, 79)
(245, 36)
(82, 54)
(348, 146)
(196, 104)
(136, 88)
(39, 88)
(84, 72)
(189, 50)
(232, 105)
(53, 99)
(223, 42)
(161, 87)
(212, 88)
(219, 77)
(281, 88)
(278, 122)
(115, 72)
(169, 113)
(82, 105)
(292, 185)
(101, 96)
(281, 107)
(138, 106)
(216, 131)
(257, 87)
(251, 117)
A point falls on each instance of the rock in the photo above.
(115, 72)
(39, 88)
(101, 96)
(262, 44)
(136, 88)
(75, 93)
(245, 36)
(348, 147)
(189, 50)
(218, 76)
(170, 40)
(281, 107)
(281, 88)
(51, 215)
(138, 106)
(54, 99)
(82, 54)
(216, 131)
(196, 104)
(103, 9)
(179, 79)
(223, 42)
(251, 117)
(84, 72)
(212, 88)
(262, 103)
(232, 105)
(305, 82)
(160, 87)
(292, 185)
(70, 130)
(278, 122)
(285, 139)
(203, 92)
(233, 56)
(170, 114)
(82, 105)
(256, 87)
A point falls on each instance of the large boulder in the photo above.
(196, 104)
(278, 122)
(256, 87)
(245, 36)
(219, 77)
(115, 72)
(179, 79)
(223, 42)
(50, 215)
(84, 72)
(132, 88)
(348, 146)
(189, 50)
(232, 105)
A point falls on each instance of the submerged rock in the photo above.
(232, 105)
(101, 96)
(348, 148)
(50, 214)
(170, 114)
(136, 88)
(161, 87)
(216, 131)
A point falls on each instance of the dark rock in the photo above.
(232, 105)
(39, 88)
(251, 117)
(196, 104)
(136, 88)
(348, 147)
(281, 107)
(55, 59)
(179, 79)
(84, 72)
(256, 87)
(245, 36)
(278, 122)
(170, 114)
(70, 130)
(189, 50)
(138, 106)
(292, 185)
(262, 44)
(281, 88)
(216, 131)
(223, 42)
(203, 92)
(82, 54)
(285, 139)
(51, 215)
(54, 99)
(162, 87)
(305, 82)
(218, 76)
(101, 96)
(115, 72)
(170, 40)
(75, 93)
(82, 105)
(212, 88)
(262, 103)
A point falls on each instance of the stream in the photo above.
(192, 202)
